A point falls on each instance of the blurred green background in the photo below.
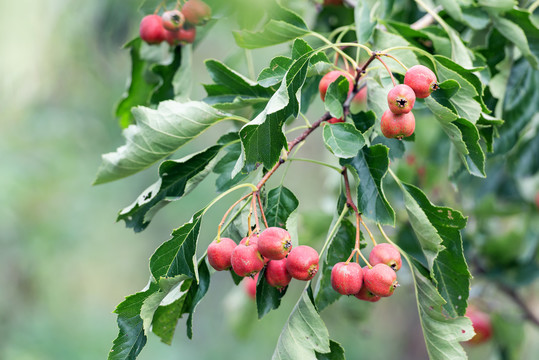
(65, 264)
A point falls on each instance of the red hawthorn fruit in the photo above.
(181, 36)
(274, 243)
(401, 99)
(397, 126)
(331, 77)
(537, 200)
(335, 120)
(302, 262)
(253, 239)
(246, 260)
(172, 20)
(249, 284)
(422, 80)
(381, 280)
(196, 12)
(276, 274)
(386, 254)
(151, 29)
(219, 253)
(481, 325)
(359, 101)
(346, 279)
(364, 293)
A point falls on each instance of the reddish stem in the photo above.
(226, 214)
(261, 209)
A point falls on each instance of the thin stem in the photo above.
(397, 60)
(358, 220)
(388, 70)
(262, 209)
(533, 6)
(307, 122)
(249, 231)
(333, 230)
(333, 46)
(250, 65)
(421, 51)
(233, 217)
(226, 214)
(297, 128)
(255, 213)
(316, 162)
(338, 30)
(238, 118)
(368, 231)
(383, 233)
(426, 20)
(253, 187)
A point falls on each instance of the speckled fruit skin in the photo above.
(276, 273)
(331, 77)
(196, 12)
(401, 99)
(302, 262)
(386, 254)
(249, 284)
(173, 20)
(481, 325)
(422, 80)
(381, 280)
(219, 253)
(364, 293)
(246, 260)
(335, 120)
(151, 29)
(397, 126)
(181, 36)
(274, 243)
(346, 279)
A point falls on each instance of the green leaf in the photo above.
(442, 333)
(157, 134)
(366, 14)
(225, 167)
(304, 333)
(370, 166)
(498, 5)
(267, 297)
(280, 203)
(343, 139)
(509, 334)
(336, 352)
(364, 121)
(177, 256)
(165, 89)
(339, 248)
(517, 36)
(275, 72)
(176, 179)
(195, 294)
(437, 229)
(336, 95)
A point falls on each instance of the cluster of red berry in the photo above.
(271, 248)
(175, 26)
(376, 280)
(399, 121)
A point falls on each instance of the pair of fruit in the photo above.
(369, 283)
(359, 99)
(175, 26)
(399, 121)
(272, 248)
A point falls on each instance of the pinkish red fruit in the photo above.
(196, 12)
(397, 126)
(335, 120)
(481, 325)
(386, 254)
(219, 253)
(381, 280)
(302, 262)
(401, 99)
(346, 279)
(151, 29)
(253, 239)
(331, 77)
(359, 101)
(246, 260)
(364, 293)
(249, 284)
(181, 36)
(274, 243)
(537, 200)
(422, 80)
(173, 20)
(277, 275)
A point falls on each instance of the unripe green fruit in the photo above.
(219, 253)
(401, 99)
(422, 80)
(274, 243)
(481, 325)
(386, 254)
(395, 126)
(302, 263)
(277, 275)
(196, 12)
(346, 279)
(246, 260)
(173, 20)
(331, 77)
(151, 29)
(381, 280)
